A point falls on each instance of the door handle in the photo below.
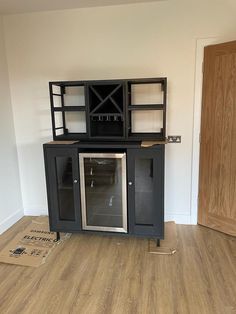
(130, 183)
(75, 181)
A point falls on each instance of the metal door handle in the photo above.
(75, 181)
(130, 183)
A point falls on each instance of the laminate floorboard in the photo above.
(93, 274)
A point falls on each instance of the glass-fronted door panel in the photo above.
(65, 190)
(144, 191)
(103, 191)
(63, 187)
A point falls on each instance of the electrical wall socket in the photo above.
(174, 139)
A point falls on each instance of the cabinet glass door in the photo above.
(103, 191)
(63, 188)
(146, 191)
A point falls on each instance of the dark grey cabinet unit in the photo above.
(99, 176)
(93, 188)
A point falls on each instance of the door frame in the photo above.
(197, 108)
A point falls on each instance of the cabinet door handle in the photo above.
(75, 181)
(130, 183)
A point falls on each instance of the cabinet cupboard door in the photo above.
(146, 191)
(62, 174)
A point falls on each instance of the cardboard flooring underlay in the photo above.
(168, 246)
(32, 246)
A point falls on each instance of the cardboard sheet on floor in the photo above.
(167, 246)
(32, 246)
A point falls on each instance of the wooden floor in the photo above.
(106, 275)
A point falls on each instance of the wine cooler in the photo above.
(103, 191)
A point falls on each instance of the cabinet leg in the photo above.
(158, 242)
(58, 236)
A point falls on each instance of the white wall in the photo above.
(141, 40)
(10, 196)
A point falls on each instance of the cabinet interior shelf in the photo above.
(70, 108)
(147, 107)
(147, 136)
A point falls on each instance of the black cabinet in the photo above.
(103, 189)
(63, 187)
(146, 191)
(99, 177)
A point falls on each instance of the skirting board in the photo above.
(11, 220)
(35, 211)
(179, 218)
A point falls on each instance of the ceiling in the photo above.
(24, 6)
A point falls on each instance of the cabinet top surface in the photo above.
(101, 144)
(132, 80)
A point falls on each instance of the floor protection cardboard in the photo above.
(167, 246)
(32, 246)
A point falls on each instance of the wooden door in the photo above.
(217, 182)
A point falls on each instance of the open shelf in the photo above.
(147, 136)
(146, 109)
(146, 121)
(70, 108)
(74, 96)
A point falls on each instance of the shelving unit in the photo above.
(131, 109)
